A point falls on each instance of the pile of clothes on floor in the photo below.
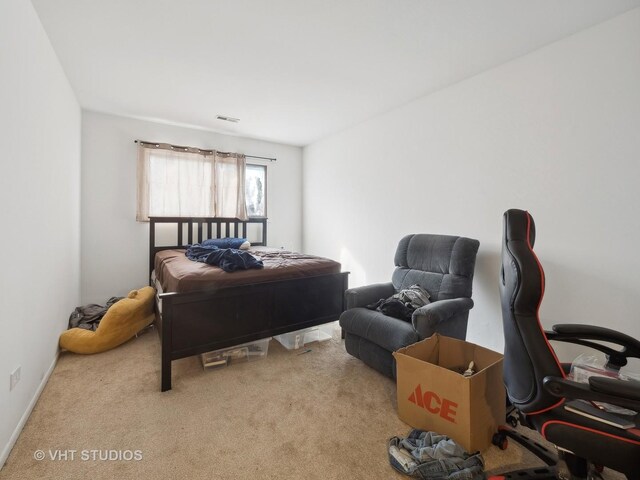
(429, 455)
(88, 317)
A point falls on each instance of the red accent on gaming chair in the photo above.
(536, 382)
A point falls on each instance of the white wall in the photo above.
(115, 248)
(556, 132)
(40, 213)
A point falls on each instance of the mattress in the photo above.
(174, 272)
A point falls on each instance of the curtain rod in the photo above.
(182, 147)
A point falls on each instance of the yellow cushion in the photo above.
(121, 322)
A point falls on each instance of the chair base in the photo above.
(542, 473)
(543, 453)
(578, 468)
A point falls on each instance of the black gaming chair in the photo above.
(536, 382)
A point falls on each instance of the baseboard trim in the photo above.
(16, 433)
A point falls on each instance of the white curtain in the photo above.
(229, 192)
(177, 182)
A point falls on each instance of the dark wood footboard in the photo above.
(199, 322)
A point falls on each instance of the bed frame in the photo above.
(198, 322)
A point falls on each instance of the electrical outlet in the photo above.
(14, 379)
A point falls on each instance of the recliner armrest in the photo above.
(564, 388)
(588, 335)
(368, 294)
(426, 318)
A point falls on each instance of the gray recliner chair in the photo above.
(441, 264)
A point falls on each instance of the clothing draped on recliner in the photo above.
(402, 304)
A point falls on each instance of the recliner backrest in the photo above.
(441, 264)
(528, 356)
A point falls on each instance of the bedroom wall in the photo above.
(40, 214)
(554, 132)
(114, 246)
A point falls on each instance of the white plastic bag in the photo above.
(589, 364)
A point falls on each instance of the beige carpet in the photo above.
(320, 415)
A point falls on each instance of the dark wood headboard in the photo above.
(216, 227)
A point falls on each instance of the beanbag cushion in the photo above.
(121, 322)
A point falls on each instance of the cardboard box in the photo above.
(433, 396)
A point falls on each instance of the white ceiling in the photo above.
(293, 71)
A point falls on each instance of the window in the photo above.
(255, 184)
(187, 182)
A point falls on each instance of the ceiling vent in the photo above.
(228, 119)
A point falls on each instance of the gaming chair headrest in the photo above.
(516, 224)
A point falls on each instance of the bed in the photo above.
(200, 308)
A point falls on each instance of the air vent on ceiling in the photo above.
(228, 119)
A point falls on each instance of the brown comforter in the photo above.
(176, 273)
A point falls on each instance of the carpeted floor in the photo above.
(320, 415)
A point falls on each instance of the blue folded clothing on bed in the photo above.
(227, 242)
(228, 259)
